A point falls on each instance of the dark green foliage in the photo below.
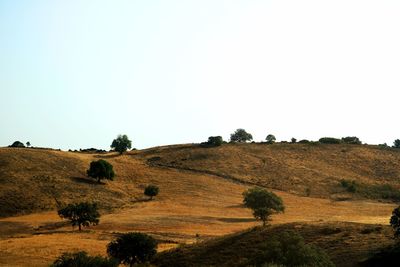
(304, 141)
(270, 139)
(151, 191)
(329, 140)
(132, 248)
(17, 144)
(121, 143)
(28, 144)
(80, 214)
(241, 136)
(388, 257)
(396, 143)
(101, 169)
(81, 259)
(213, 141)
(350, 186)
(288, 249)
(351, 140)
(395, 221)
(263, 203)
(293, 140)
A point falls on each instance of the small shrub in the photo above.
(81, 259)
(351, 140)
(350, 186)
(293, 140)
(329, 140)
(304, 141)
(213, 141)
(151, 191)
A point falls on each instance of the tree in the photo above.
(354, 140)
(151, 191)
(214, 141)
(80, 214)
(263, 203)
(101, 169)
(82, 259)
(240, 135)
(17, 144)
(121, 143)
(293, 140)
(395, 221)
(131, 248)
(28, 144)
(270, 139)
(396, 143)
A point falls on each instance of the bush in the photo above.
(213, 141)
(151, 191)
(101, 169)
(293, 140)
(17, 144)
(288, 249)
(81, 259)
(350, 186)
(263, 203)
(351, 140)
(240, 135)
(304, 141)
(396, 143)
(80, 214)
(329, 140)
(395, 221)
(132, 248)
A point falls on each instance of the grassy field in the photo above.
(200, 195)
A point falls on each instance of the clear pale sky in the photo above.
(75, 74)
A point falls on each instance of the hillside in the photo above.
(200, 194)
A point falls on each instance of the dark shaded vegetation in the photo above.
(213, 141)
(101, 169)
(388, 257)
(351, 140)
(80, 214)
(17, 144)
(396, 143)
(270, 139)
(289, 249)
(263, 203)
(133, 248)
(395, 221)
(82, 259)
(372, 191)
(121, 143)
(329, 140)
(151, 191)
(241, 136)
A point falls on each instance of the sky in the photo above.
(75, 74)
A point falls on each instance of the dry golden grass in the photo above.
(190, 203)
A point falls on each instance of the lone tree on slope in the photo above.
(132, 248)
(80, 214)
(121, 143)
(396, 143)
(101, 169)
(263, 203)
(241, 136)
(151, 191)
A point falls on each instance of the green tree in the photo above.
(240, 135)
(82, 259)
(395, 221)
(293, 140)
(121, 143)
(132, 248)
(263, 203)
(396, 143)
(151, 191)
(354, 140)
(270, 139)
(214, 141)
(28, 144)
(101, 169)
(17, 144)
(80, 214)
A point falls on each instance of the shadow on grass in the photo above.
(86, 180)
(236, 220)
(108, 156)
(140, 200)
